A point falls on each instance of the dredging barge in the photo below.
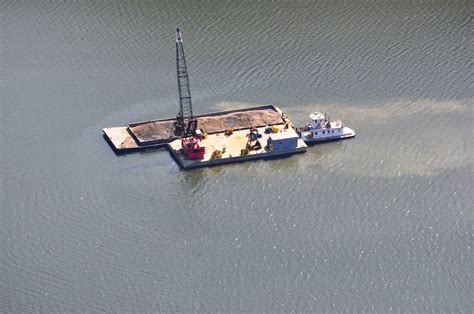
(226, 136)
(162, 133)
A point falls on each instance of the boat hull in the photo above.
(348, 133)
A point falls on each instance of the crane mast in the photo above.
(185, 122)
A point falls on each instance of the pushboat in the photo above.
(320, 129)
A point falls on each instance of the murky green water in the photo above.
(381, 222)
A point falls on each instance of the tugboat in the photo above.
(321, 129)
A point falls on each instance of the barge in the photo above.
(158, 133)
(230, 148)
(283, 140)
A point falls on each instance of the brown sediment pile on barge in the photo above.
(239, 120)
(152, 131)
(157, 130)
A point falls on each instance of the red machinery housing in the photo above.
(193, 147)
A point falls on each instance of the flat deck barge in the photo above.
(161, 133)
(231, 145)
(158, 133)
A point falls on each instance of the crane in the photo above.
(186, 124)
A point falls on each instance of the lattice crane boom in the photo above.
(185, 121)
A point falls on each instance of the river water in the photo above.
(377, 223)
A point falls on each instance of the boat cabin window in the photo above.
(323, 132)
